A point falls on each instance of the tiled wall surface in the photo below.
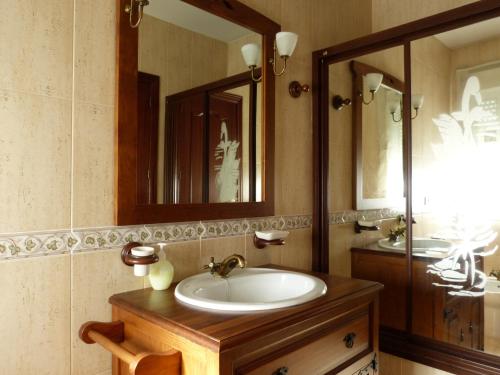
(389, 13)
(34, 244)
(56, 174)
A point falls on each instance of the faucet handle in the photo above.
(210, 266)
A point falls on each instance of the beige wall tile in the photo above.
(35, 308)
(258, 257)
(413, 368)
(297, 251)
(220, 248)
(296, 16)
(95, 277)
(36, 43)
(293, 172)
(93, 177)
(185, 257)
(35, 162)
(390, 365)
(94, 62)
(387, 13)
(179, 79)
(336, 21)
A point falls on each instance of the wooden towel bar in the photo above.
(110, 335)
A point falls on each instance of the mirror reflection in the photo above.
(370, 129)
(378, 137)
(456, 143)
(199, 110)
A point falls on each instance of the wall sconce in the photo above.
(417, 102)
(339, 102)
(393, 108)
(251, 55)
(284, 45)
(129, 9)
(373, 82)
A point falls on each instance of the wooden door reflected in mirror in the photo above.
(207, 120)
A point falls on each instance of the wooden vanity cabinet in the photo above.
(334, 334)
(435, 313)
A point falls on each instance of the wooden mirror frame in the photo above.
(127, 210)
(358, 70)
(403, 344)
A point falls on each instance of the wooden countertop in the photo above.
(219, 330)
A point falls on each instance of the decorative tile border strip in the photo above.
(36, 244)
(31, 244)
(344, 217)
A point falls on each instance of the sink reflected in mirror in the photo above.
(250, 289)
(420, 245)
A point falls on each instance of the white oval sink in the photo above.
(420, 245)
(250, 289)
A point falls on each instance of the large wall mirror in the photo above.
(195, 125)
(455, 200)
(441, 300)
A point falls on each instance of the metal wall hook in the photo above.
(296, 89)
(129, 9)
(338, 102)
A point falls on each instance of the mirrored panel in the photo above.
(367, 229)
(456, 205)
(199, 110)
(378, 138)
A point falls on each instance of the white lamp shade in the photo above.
(286, 43)
(417, 101)
(251, 54)
(394, 107)
(373, 81)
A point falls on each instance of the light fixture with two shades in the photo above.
(417, 102)
(374, 81)
(284, 45)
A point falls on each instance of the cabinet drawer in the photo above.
(321, 355)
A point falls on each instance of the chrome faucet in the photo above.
(226, 266)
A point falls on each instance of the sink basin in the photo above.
(420, 245)
(250, 289)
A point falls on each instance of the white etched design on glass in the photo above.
(227, 179)
(464, 185)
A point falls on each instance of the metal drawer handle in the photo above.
(349, 339)
(281, 371)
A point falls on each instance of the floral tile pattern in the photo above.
(35, 244)
(21, 245)
(342, 217)
(222, 228)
